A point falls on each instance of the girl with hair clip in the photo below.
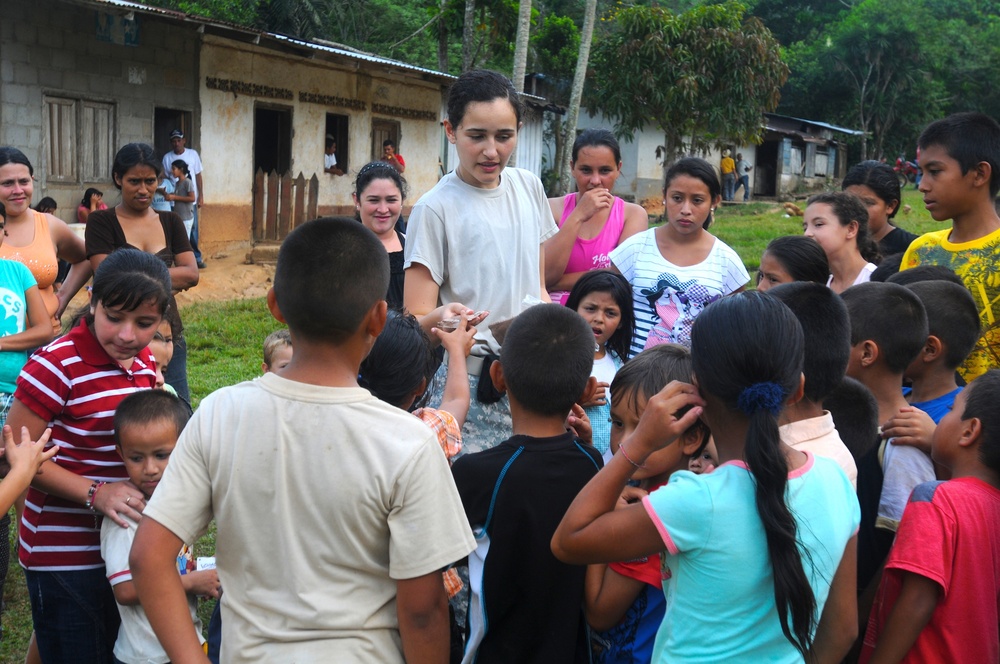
(877, 185)
(134, 223)
(592, 221)
(761, 553)
(792, 258)
(604, 300)
(679, 268)
(838, 221)
(379, 192)
(74, 385)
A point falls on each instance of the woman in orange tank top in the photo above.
(37, 239)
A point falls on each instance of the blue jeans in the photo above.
(743, 181)
(728, 186)
(194, 236)
(176, 373)
(75, 616)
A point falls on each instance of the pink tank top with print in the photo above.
(593, 254)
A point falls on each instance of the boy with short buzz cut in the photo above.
(526, 606)
(888, 329)
(277, 351)
(147, 425)
(938, 597)
(335, 511)
(960, 161)
(805, 425)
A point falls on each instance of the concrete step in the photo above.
(264, 253)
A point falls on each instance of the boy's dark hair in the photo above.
(547, 357)
(847, 208)
(399, 361)
(890, 315)
(132, 155)
(606, 281)
(481, 85)
(150, 406)
(981, 397)
(968, 138)
(387, 142)
(277, 339)
(330, 273)
(597, 137)
(802, 258)
(887, 268)
(926, 273)
(855, 416)
(827, 331)
(952, 317)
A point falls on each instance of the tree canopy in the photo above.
(706, 75)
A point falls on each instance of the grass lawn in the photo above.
(225, 338)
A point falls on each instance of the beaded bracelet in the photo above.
(625, 454)
(91, 493)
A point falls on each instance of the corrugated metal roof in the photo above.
(359, 55)
(825, 125)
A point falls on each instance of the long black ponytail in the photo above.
(733, 368)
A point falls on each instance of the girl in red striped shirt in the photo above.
(73, 386)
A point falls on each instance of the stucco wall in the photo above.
(227, 129)
(52, 48)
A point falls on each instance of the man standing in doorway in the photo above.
(390, 156)
(728, 168)
(743, 169)
(191, 158)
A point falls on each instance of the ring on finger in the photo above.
(128, 499)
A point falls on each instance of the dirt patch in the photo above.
(229, 277)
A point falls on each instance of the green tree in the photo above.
(706, 75)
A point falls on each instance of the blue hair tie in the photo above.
(768, 396)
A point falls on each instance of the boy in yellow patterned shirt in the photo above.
(960, 160)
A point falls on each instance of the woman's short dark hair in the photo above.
(132, 155)
(11, 155)
(378, 170)
(481, 85)
(879, 177)
(87, 195)
(597, 137)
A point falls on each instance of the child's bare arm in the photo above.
(458, 343)
(422, 610)
(39, 329)
(25, 461)
(607, 596)
(592, 530)
(125, 593)
(154, 572)
(838, 626)
(917, 600)
(202, 583)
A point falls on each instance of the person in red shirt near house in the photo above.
(392, 157)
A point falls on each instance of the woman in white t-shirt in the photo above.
(838, 221)
(679, 268)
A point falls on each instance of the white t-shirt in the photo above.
(669, 297)
(136, 643)
(189, 157)
(863, 277)
(604, 371)
(323, 497)
(819, 436)
(329, 160)
(482, 246)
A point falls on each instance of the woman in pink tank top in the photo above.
(38, 239)
(592, 221)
